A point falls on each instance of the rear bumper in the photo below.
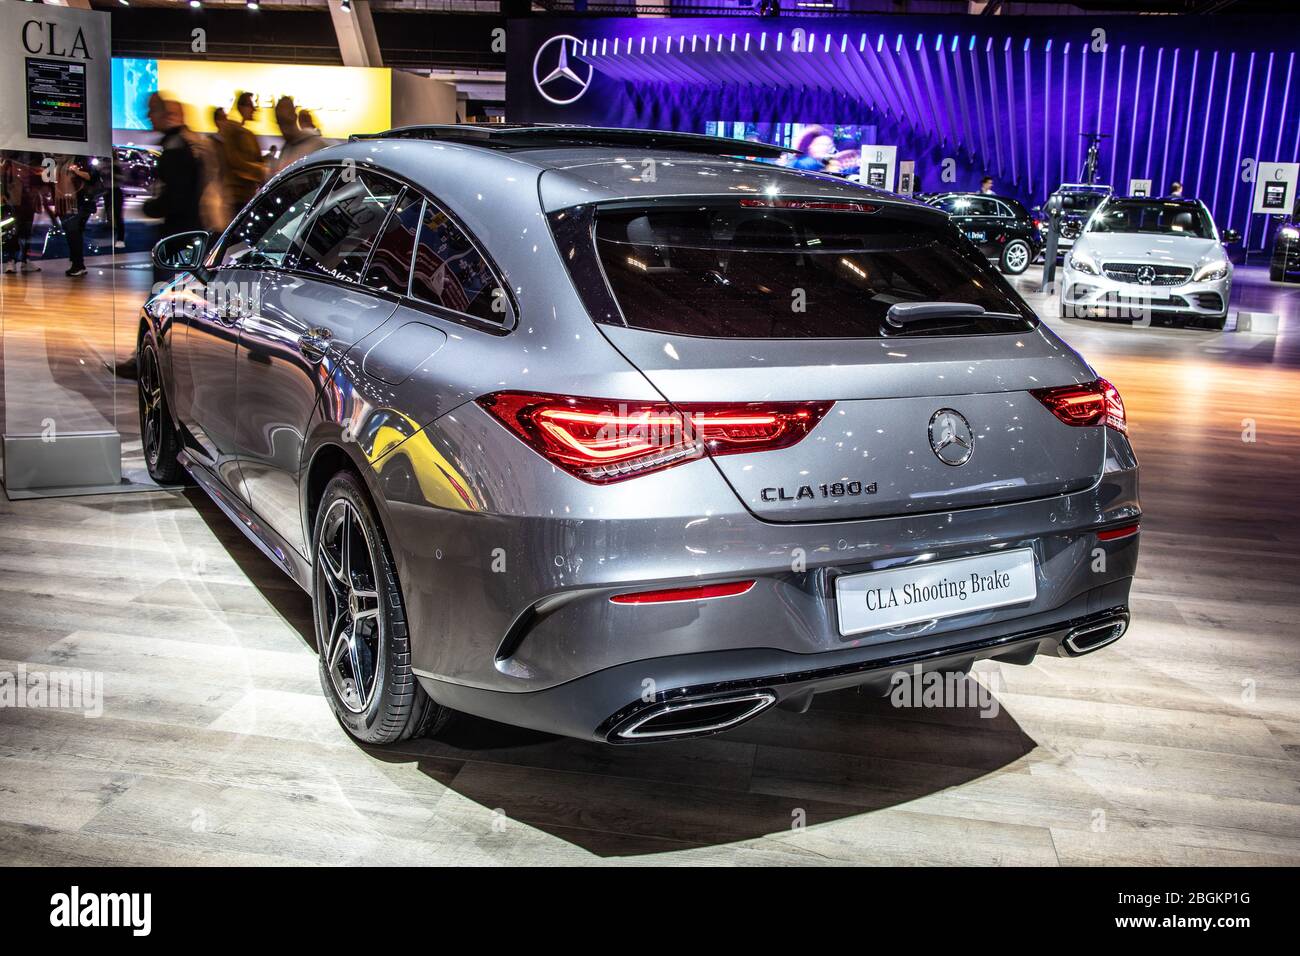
(515, 605)
(611, 703)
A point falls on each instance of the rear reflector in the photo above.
(1114, 534)
(674, 595)
(602, 440)
(1095, 403)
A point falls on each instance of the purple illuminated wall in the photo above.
(1180, 98)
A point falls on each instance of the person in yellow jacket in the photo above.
(243, 167)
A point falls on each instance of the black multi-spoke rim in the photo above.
(347, 606)
(150, 406)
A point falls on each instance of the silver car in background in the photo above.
(1150, 259)
(616, 435)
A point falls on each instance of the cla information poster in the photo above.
(61, 57)
(56, 100)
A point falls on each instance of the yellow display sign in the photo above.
(342, 99)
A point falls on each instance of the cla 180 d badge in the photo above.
(951, 437)
(834, 489)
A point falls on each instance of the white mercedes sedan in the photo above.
(1150, 260)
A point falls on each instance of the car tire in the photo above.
(360, 617)
(1217, 322)
(159, 440)
(1016, 256)
(1276, 273)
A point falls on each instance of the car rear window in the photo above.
(747, 270)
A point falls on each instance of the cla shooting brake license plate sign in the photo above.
(876, 600)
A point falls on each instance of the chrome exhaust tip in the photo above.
(1096, 634)
(693, 718)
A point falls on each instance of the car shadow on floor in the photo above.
(852, 753)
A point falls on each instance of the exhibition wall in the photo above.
(1198, 101)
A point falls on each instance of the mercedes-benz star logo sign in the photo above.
(951, 437)
(1146, 275)
(558, 74)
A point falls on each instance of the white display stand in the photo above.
(878, 166)
(1275, 188)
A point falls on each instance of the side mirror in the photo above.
(183, 252)
(1230, 236)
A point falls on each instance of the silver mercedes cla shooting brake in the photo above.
(619, 435)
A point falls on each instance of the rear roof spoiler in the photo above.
(507, 136)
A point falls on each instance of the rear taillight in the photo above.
(601, 440)
(820, 205)
(1096, 403)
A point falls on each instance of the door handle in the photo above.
(314, 342)
(229, 316)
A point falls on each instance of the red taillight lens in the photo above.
(600, 440)
(673, 595)
(1096, 403)
(1114, 534)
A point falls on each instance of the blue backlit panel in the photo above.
(1178, 98)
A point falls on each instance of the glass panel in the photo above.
(390, 266)
(727, 270)
(344, 231)
(63, 296)
(264, 236)
(74, 265)
(451, 273)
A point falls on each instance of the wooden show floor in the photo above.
(1180, 744)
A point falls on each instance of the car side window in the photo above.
(390, 264)
(343, 233)
(449, 271)
(264, 236)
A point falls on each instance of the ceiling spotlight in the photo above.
(196, 3)
(345, 6)
(252, 4)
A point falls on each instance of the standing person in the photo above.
(244, 170)
(1175, 190)
(298, 141)
(75, 197)
(986, 186)
(179, 180)
(307, 123)
(23, 197)
(217, 214)
(118, 199)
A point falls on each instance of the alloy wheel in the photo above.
(1017, 257)
(347, 606)
(151, 405)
